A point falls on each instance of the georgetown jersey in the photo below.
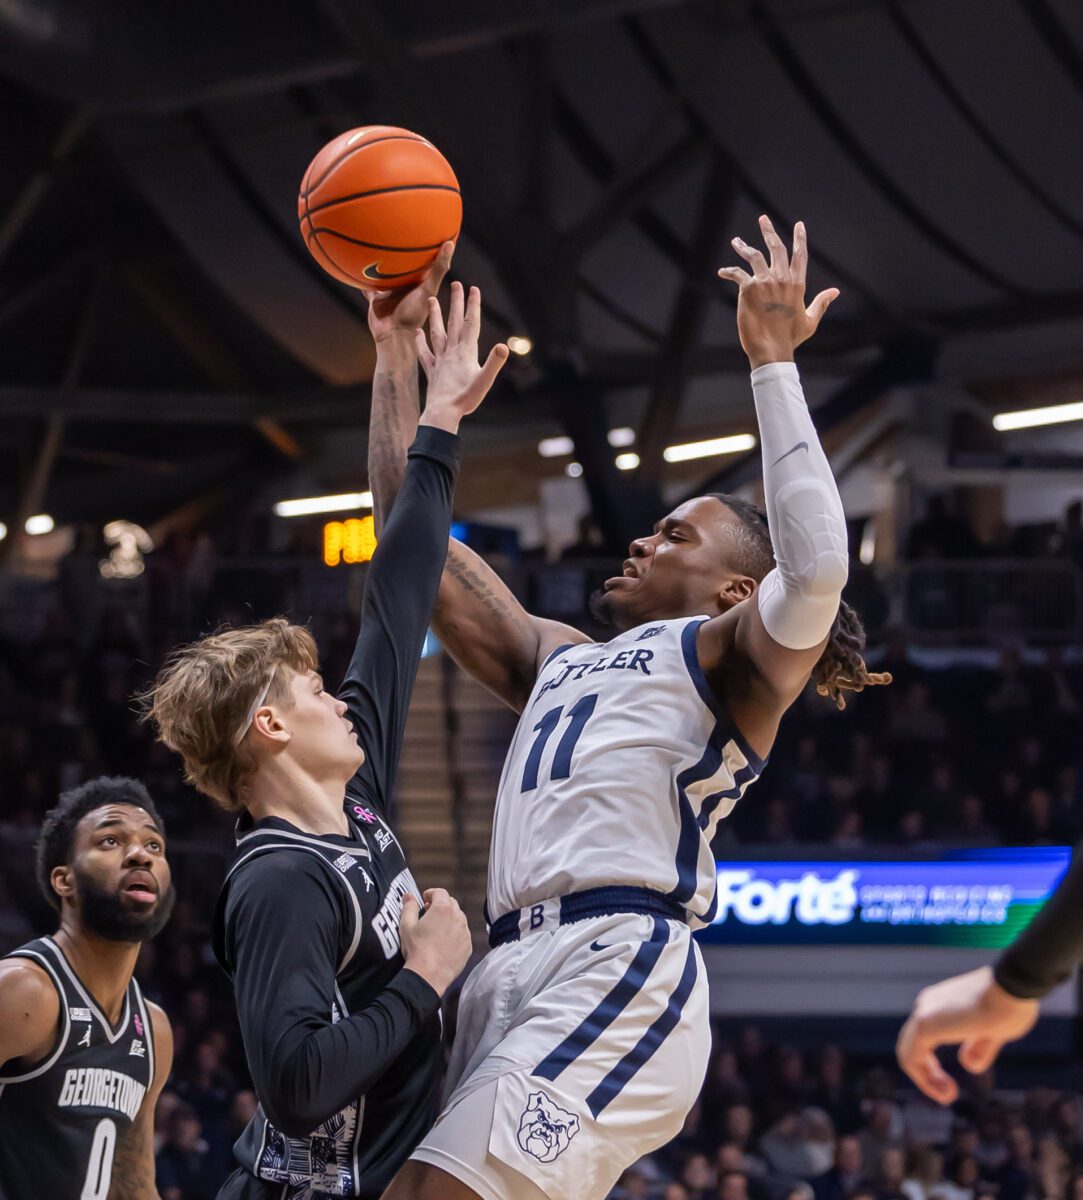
(621, 767)
(347, 1154)
(61, 1118)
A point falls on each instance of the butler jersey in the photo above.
(622, 765)
(60, 1118)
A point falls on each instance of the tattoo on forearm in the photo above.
(133, 1168)
(460, 569)
(388, 440)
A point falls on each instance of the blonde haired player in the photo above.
(583, 1035)
(337, 978)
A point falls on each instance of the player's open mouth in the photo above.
(628, 575)
(141, 887)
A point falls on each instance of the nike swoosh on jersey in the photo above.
(792, 450)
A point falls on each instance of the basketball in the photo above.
(376, 204)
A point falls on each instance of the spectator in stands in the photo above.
(801, 1144)
(882, 1132)
(924, 1173)
(698, 1177)
(833, 1094)
(182, 1161)
(964, 1175)
(847, 1176)
(733, 1186)
(1015, 1176)
(889, 1182)
(916, 723)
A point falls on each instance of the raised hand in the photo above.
(457, 381)
(772, 319)
(405, 310)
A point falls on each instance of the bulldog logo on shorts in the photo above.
(545, 1129)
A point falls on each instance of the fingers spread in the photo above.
(753, 257)
(799, 261)
(734, 275)
(436, 327)
(820, 305)
(780, 260)
(472, 320)
(424, 354)
(455, 313)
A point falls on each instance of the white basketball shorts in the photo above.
(579, 1049)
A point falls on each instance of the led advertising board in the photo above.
(974, 898)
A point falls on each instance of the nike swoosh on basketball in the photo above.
(792, 450)
(372, 271)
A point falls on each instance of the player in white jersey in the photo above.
(583, 1035)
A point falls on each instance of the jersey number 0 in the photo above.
(99, 1170)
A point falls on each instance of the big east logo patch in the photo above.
(545, 1129)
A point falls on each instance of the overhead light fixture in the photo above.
(867, 550)
(1028, 418)
(621, 437)
(573, 470)
(708, 449)
(40, 523)
(556, 447)
(345, 502)
(627, 462)
(3, 531)
(520, 345)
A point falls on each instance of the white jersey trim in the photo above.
(62, 1040)
(111, 1037)
(351, 950)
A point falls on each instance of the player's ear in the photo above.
(268, 724)
(734, 590)
(63, 881)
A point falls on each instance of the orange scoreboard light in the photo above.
(349, 542)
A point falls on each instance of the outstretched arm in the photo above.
(404, 577)
(482, 625)
(983, 1009)
(781, 631)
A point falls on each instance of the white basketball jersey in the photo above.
(621, 767)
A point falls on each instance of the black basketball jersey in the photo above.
(60, 1118)
(355, 1152)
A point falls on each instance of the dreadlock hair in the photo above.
(841, 668)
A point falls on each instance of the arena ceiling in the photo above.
(165, 337)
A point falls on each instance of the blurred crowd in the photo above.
(776, 1123)
(981, 749)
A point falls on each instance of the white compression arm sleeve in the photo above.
(799, 599)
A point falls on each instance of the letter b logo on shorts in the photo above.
(545, 1129)
(537, 915)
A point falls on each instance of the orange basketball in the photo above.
(376, 204)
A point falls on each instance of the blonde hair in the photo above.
(205, 691)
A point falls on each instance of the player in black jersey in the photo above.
(337, 981)
(83, 1055)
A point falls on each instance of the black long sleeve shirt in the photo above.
(1051, 946)
(344, 1045)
